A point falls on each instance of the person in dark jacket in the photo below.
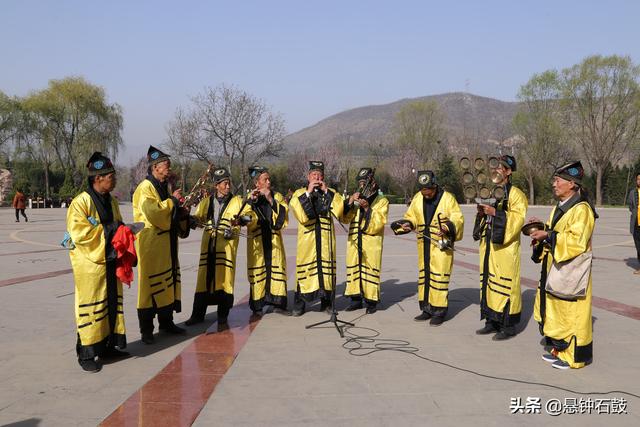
(634, 207)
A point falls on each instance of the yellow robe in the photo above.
(566, 324)
(316, 252)
(217, 267)
(364, 249)
(159, 285)
(500, 297)
(266, 257)
(434, 264)
(88, 260)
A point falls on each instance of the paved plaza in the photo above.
(388, 370)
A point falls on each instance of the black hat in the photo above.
(426, 179)
(99, 165)
(364, 173)
(256, 171)
(220, 174)
(154, 155)
(508, 162)
(572, 171)
(316, 165)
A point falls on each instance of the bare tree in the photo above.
(602, 100)
(538, 121)
(234, 129)
(419, 126)
(182, 134)
(402, 167)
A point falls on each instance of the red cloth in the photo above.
(127, 258)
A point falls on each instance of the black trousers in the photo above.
(202, 300)
(20, 211)
(636, 240)
(146, 316)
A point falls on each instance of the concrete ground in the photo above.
(288, 375)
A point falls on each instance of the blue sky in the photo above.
(306, 59)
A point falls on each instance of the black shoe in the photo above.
(436, 321)
(26, 219)
(194, 320)
(297, 313)
(114, 353)
(148, 338)
(355, 305)
(371, 309)
(282, 311)
(267, 309)
(502, 335)
(488, 329)
(422, 317)
(17, 220)
(223, 320)
(90, 365)
(172, 328)
(223, 326)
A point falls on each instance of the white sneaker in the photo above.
(561, 364)
(548, 357)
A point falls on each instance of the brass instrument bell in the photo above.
(465, 163)
(479, 163)
(467, 178)
(469, 192)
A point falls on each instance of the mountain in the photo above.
(468, 119)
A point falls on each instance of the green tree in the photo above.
(538, 121)
(602, 100)
(73, 118)
(419, 128)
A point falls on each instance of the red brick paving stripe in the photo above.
(31, 278)
(611, 306)
(176, 395)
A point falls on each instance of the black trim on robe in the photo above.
(102, 202)
(429, 207)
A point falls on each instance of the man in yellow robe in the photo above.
(435, 214)
(366, 214)
(159, 285)
(92, 220)
(565, 321)
(315, 207)
(266, 257)
(497, 226)
(219, 213)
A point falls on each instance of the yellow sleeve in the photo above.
(413, 212)
(158, 213)
(511, 221)
(88, 238)
(455, 217)
(202, 210)
(337, 204)
(297, 209)
(348, 215)
(283, 209)
(378, 216)
(575, 239)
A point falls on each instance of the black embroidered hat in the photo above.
(316, 165)
(155, 155)
(364, 173)
(426, 179)
(220, 174)
(256, 171)
(99, 164)
(572, 171)
(508, 162)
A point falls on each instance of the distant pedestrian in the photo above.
(19, 205)
(634, 207)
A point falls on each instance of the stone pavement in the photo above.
(273, 371)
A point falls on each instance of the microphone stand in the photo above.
(334, 313)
